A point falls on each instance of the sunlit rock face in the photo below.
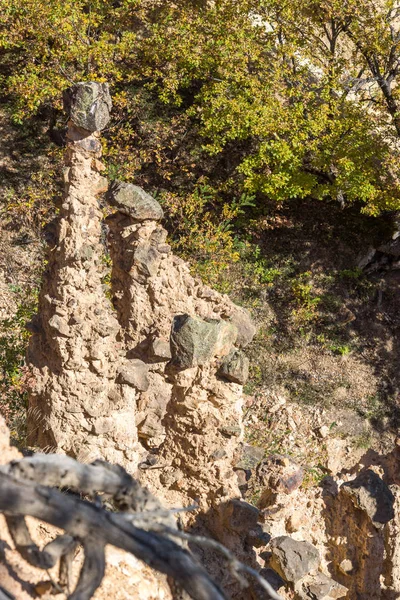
(77, 402)
(152, 363)
(190, 417)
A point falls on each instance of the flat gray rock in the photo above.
(292, 559)
(133, 201)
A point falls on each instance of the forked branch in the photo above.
(92, 526)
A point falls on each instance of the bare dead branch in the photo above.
(92, 572)
(85, 521)
(234, 564)
(24, 544)
(62, 545)
(143, 528)
(65, 569)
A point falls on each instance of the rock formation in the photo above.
(188, 337)
(162, 363)
(351, 520)
(78, 403)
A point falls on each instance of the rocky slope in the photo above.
(153, 380)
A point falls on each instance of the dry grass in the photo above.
(25, 206)
(328, 334)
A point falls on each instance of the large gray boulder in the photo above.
(370, 493)
(131, 200)
(194, 342)
(292, 559)
(88, 105)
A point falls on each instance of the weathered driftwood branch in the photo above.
(92, 525)
(25, 490)
(54, 470)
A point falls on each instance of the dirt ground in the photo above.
(328, 343)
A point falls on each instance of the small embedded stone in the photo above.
(292, 559)
(230, 430)
(102, 425)
(259, 536)
(319, 587)
(245, 327)
(218, 454)
(101, 186)
(323, 431)
(346, 567)
(250, 456)
(235, 367)
(100, 407)
(147, 259)
(242, 479)
(59, 324)
(159, 350)
(98, 166)
(295, 521)
(135, 374)
(164, 248)
(150, 427)
(90, 144)
(278, 474)
(240, 516)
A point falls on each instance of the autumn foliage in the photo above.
(222, 107)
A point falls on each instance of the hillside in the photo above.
(199, 274)
(321, 390)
